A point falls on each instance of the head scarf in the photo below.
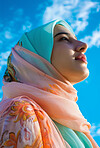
(40, 40)
(30, 72)
(37, 77)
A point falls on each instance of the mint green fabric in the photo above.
(74, 138)
(40, 40)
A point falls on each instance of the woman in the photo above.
(39, 101)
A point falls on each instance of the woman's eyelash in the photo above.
(64, 38)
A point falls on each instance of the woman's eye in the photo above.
(64, 38)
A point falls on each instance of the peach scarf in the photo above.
(39, 80)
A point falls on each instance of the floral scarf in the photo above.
(31, 75)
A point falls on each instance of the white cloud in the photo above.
(98, 132)
(95, 130)
(79, 25)
(59, 10)
(4, 55)
(83, 15)
(27, 26)
(98, 8)
(3, 58)
(8, 35)
(11, 31)
(94, 39)
(74, 11)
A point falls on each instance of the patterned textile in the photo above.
(25, 125)
(34, 92)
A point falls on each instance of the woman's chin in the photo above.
(82, 75)
(77, 76)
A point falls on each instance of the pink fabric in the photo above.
(39, 80)
(24, 124)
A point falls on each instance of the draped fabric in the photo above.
(34, 92)
(25, 125)
(49, 92)
(40, 40)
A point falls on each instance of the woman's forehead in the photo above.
(59, 29)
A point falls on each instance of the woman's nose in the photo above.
(81, 46)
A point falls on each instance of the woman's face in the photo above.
(68, 55)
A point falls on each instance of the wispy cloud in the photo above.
(59, 10)
(3, 58)
(27, 26)
(98, 8)
(8, 35)
(94, 39)
(11, 30)
(71, 11)
(83, 14)
(95, 130)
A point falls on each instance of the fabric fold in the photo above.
(49, 92)
(30, 74)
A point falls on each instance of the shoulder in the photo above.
(24, 120)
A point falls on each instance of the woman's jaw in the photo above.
(68, 55)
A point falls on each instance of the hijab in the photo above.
(29, 64)
(30, 72)
(40, 40)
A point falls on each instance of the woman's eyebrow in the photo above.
(63, 33)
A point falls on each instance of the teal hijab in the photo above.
(40, 40)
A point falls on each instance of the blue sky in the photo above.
(17, 17)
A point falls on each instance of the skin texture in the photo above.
(65, 49)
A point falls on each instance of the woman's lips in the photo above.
(81, 57)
